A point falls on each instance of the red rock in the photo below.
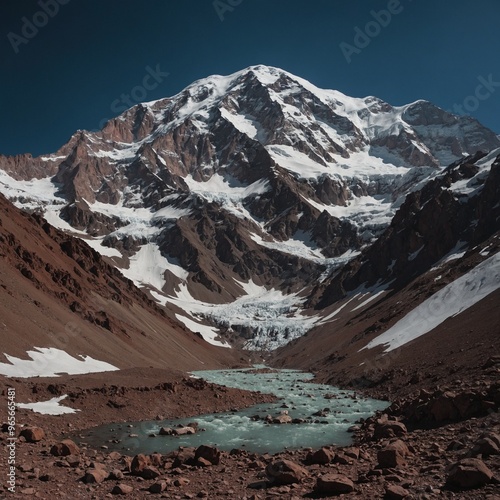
(286, 472)
(158, 487)
(352, 452)
(203, 462)
(469, 473)
(393, 455)
(209, 453)
(64, 448)
(95, 476)
(32, 434)
(486, 447)
(321, 456)
(395, 492)
(184, 456)
(389, 429)
(156, 459)
(443, 408)
(139, 463)
(182, 431)
(150, 472)
(334, 484)
(73, 460)
(122, 489)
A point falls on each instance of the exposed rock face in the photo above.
(65, 288)
(429, 224)
(261, 176)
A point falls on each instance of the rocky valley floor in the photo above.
(430, 443)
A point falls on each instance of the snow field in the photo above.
(453, 299)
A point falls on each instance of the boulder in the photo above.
(149, 472)
(389, 429)
(116, 474)
(209, 453)
(166, 431)
(468, 473)
(285, 472)
(158, 487)
(32, 434)
(182, 431)
(183, 456)
(395, 492)
(122, 489)
(64, 448)
(443, 408)
(335, 484)
(322, 456)
(156, 459)
(485, 446)
(352, 452)
(393, 455)
(95, 476)
(139, 463)
(282, 419)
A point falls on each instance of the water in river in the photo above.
(238, 430)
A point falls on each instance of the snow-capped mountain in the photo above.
(231, 199)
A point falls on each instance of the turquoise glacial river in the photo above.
(294, 389)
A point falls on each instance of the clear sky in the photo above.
(71, 64)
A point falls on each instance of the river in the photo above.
(297, 394)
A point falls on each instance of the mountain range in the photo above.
(251, 209)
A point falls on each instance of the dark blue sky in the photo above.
(74, 71)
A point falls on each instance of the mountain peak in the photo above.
(256, 182)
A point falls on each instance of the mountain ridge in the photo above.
(258, 177)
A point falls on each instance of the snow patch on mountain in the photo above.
(451, 300)
(50, 362)
(50, 407)
(209, 333)
(148, 266)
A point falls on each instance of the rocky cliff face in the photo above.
(58, 292)
(453, 213)
(258, 177)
